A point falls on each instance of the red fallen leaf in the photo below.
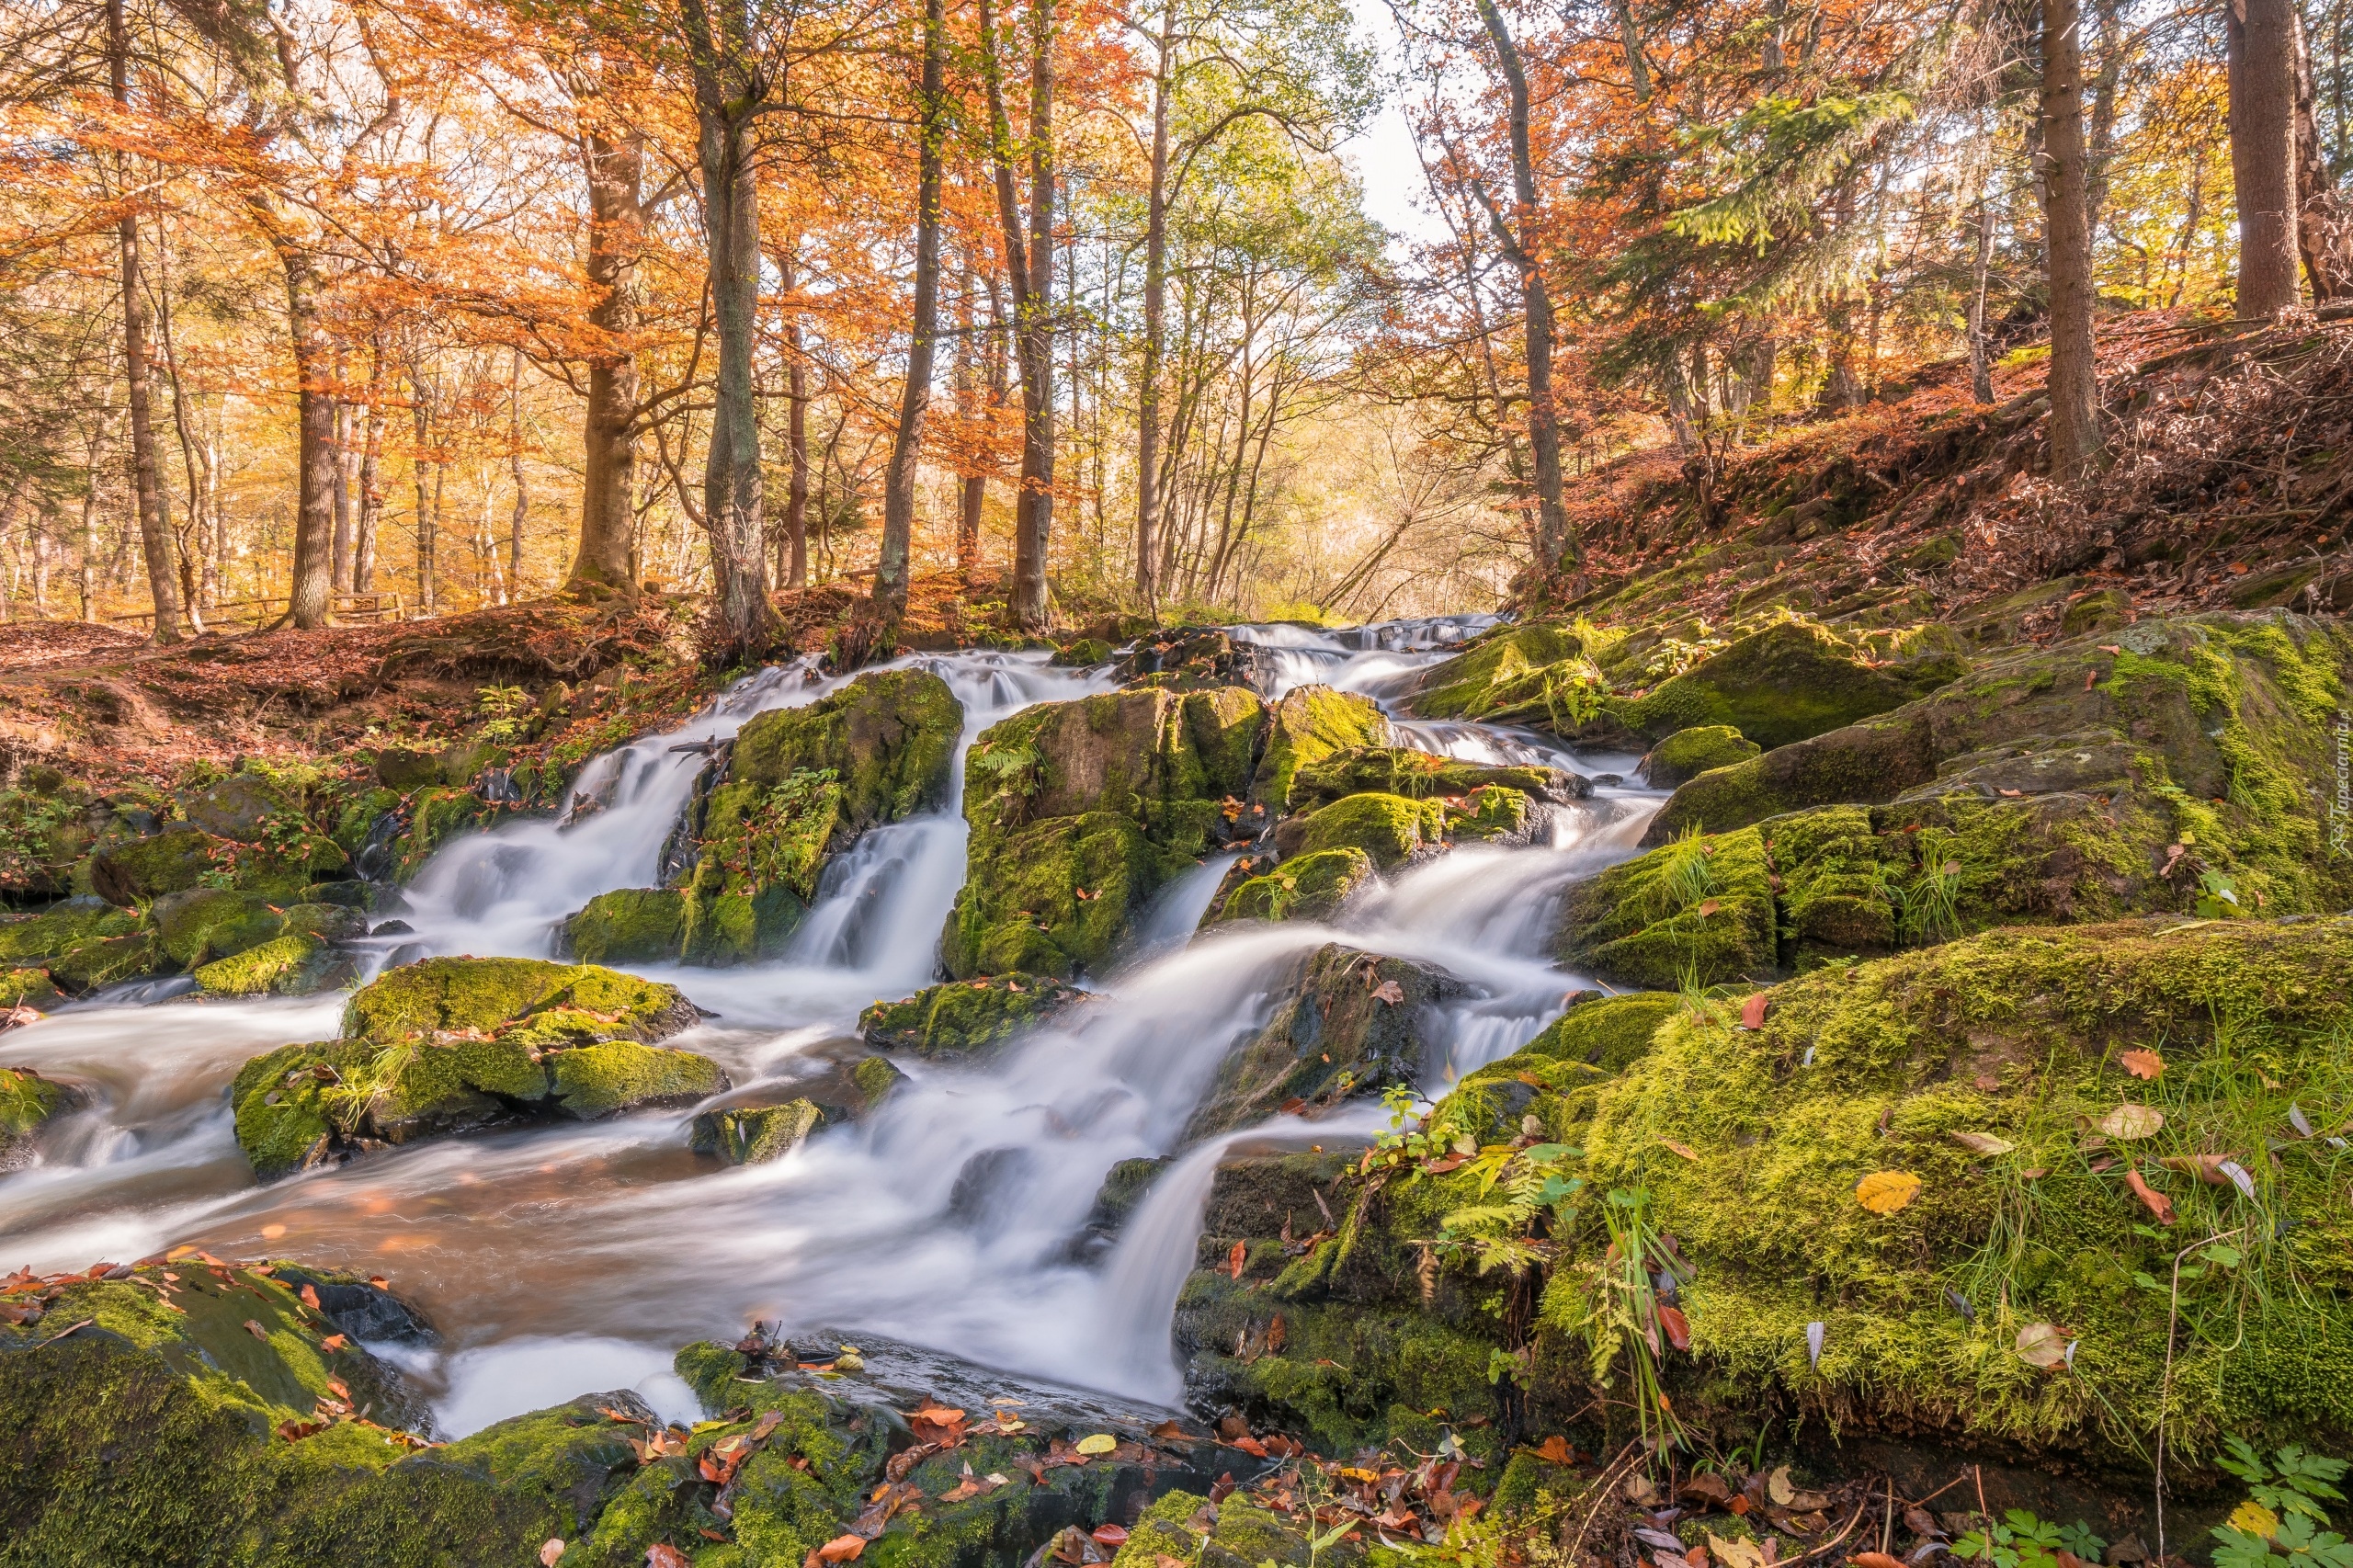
(1708, 906)
(1293, 1105)
(1390, 992)
(1708, 1487)
(1113, 1535)
(1439, 1167)
(1221, 1489)
(1172, 1432)
(256, 1330)
(2109, 648)
(1555, 1450)
(1394, 1519)
(1739, 1505)
(896, 1469)
(613, 1414)
(2159, 1204)
(377, 1280)
(1874, 1560)
(2009, 794)
(708, 1533)
(2142, 1063)
(311, 1297)
(340, 1390)
(1751, 1012)
(1678, 1327)
(1251, 1447)
(769, 1422)
(935, 1423)
(841, 1549)
(2091, 679)
(661, 1554)
(1238, 1259)
(333, 1342)
(295, 1431)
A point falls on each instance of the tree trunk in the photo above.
(968, 511)
(1155, 287)
(1031, 261)
(1554, 543)
(615, 171)
(346, 459)
(892, 567)
(796, 436)
(372, 485)
(2075, 435)
(154, 523)
(724, 90)
(428, 506)
(1980, 362)
(310, 588)
(514, 469)
(2324, 219)
(189, 541)
(2260, 36)
(2105, 83)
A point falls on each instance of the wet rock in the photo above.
(1124, 1186)
(1314, 886)
(296, 964)
(448, 1045)
(359, 1307)
(754, 1134)
(1307, 726)
(1861, 762)
(988, 1188)
(1390, 829)
(32, 941)
(27, 987)
(963, 1017)
(28, 1102)
(1352, 1023)
(889, 737)
(1689, 753)
(129, 870)
(239, 807)
(1081, 812)
(1200, 659)
(1503, 669)
(1420, 775)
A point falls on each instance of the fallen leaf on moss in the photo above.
(1238, 1259)
(1675, 1148)
(2041, 1345)
(550, 1550)
(1389, 991)
(1884, 1192)
(1983, 1144)
(2142, 1063)
(2159, 1204)
(1875, 1559)
(1678, 1327)
(1735, 1554)
(1751, 1012)
(1098, 1443)
(1708, 906)
(661, 1554)
(2129, 1121)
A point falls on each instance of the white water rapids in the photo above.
(555, 1260)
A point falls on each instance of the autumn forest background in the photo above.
(369, 309)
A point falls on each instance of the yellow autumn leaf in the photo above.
(2130, 1122)
(1100, 1443)
(2255, 1519)
(1983, 1142)
(1883, 1192)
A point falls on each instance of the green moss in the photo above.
(1690, 752)
(1490, 813)
(1696, 910)
(129, 869)
(1416, 775)
(630, 926)
(874, 1078)
(109, 962)
(1870, 761)
(1473, 685)
(889, 737)
(1389, 828)
(752, 1135)
(35, 938)
(27, 1100)
(283, 965)
(591, 1080)
(448, 995)
(28, 988)
(1019, 910)
(963, 1016)
(1790, 681)
(1611, 1032)
(1310, 725)
(1313, 886)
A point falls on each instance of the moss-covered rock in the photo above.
(1697, 911)
(1874, 760)
(198, 1418)
(1309, 724)
(296, 964)
(1352, 1023)
(110, 961)
(889, 737)
(1608, 1032)
(1392, 829)
(1422, 775)
(754, 1134)
(1314, 886)
(1493, 673)
(27, 1100)
(965, 1017)
(47, 824)
(1790, 680)
(131, 869)
(28, 987)
(1081, 812)
(1689, 753)
(32, 940)
(449, 1045)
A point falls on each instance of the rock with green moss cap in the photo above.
(1351, 1023)
(754, 1134)
(1314, 886)
(1421, 776)
(73, 947)
(1392, 829)
(889, 737)
(1608, 1032)
(297, 964)
(1307, 725)
(1689, 753)
(28, 1102)
(451, 1045)
(963, 1017)
(1496, 672)
(1698, 911)
(28, 988)
(111, 961)
(1790, 680)
(1082, 812)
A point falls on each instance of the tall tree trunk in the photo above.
(311, 587)
(2105, 84)
(2260, 36)
(968, 510)
(892, 568)
(1029, 259)
(796, 434)
(2076, 442)
(2324, 219)
(1155, 287)
(428, 504)
(726, 90)
(514, 469)
(372, 483)
(615, 169)
(1522, 243)
(347, 458)
(1980, 362)
(189, 541)
(154, 523)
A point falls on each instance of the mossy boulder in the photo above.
(1784, 683)
(964, 1018)
(47, 824)
(1608, 1032)
(132, 868)
(1351, 1023)
(296, 964)
(32, 940)
(1082, 812)
(2212, 731)
(1421, 776)
(175, 1425)
(1390, 829)
(1313, 886)
(1698, 911)
(203, 925)
(28, 987)
(113, 961)
(889, 737)
(1689, 753)
(27, 1101)
(1497, 673)
(754, 1134)
(1309, 724)
(449, 1045)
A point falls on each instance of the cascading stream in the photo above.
(556, 1259)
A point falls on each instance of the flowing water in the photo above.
(558, 1260)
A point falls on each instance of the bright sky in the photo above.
(1383, 156)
